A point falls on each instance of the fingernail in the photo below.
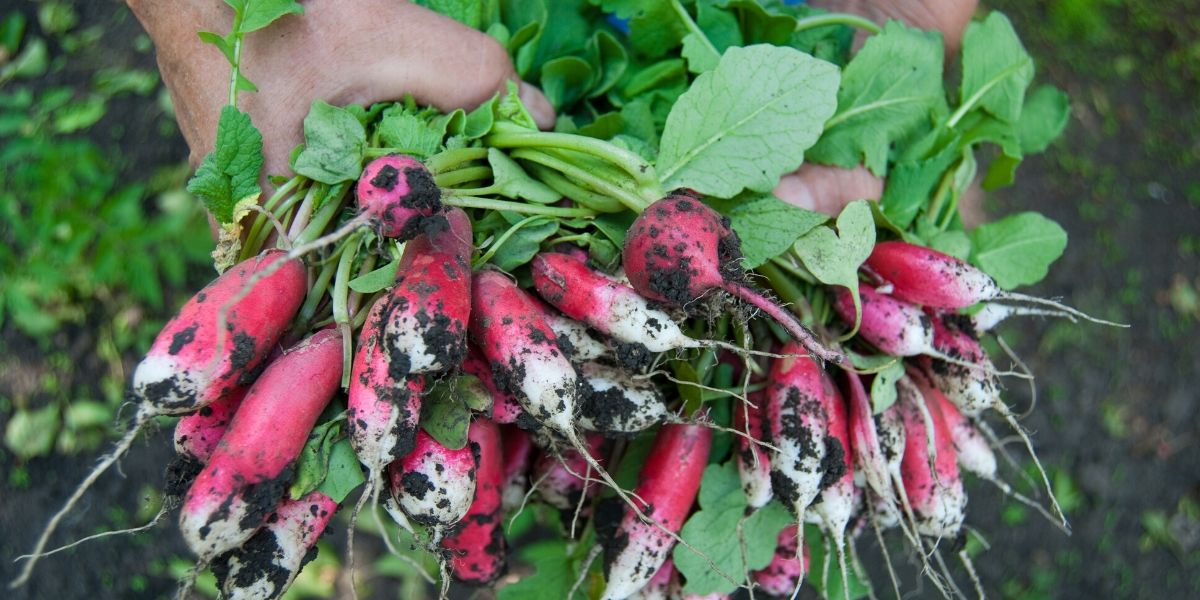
(539, 107)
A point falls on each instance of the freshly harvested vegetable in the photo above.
(563, 480)
(929, 471)
(797, 393)
(197, 434)
(787, 568)
(754, 467)
(399, 194)
(477, 547)
(613, 402)
(434, 485)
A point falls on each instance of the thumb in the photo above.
(828, 189)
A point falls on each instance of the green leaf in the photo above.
(467, 12)
(614, 226)
(524, 243)
(343, 474)
(260, 13)
(910, 186)
(334, 141)
(511, 181)
(552, 575)
(816, 548)
(313, 463)
(609, 60)
(479, 121)
(566, 79)
(409, 133)
(510, 108)
(229, 174)
(747, 122)
(956, 243)
(721, 531)
(996, 68)
(834, 258)
(766, 225)
(31, 433)
(220, 42)
(699, 53)
(369, 283)
(883, 386)
(888, 91)
(1043, 118)
(445, 417)
(654, 28)
(1018, 249)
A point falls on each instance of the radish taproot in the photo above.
(565, 480)
(197, 434)
(434, 484)
(613, 402)
(679, 250)
(835, 505)
(787, 567)
(266, 565)
(426, 322)
(797, 423)
(251, 467)
(754, 467)
(400, 195)
(931, 479)
(518, 453)
(666, 489)
(476, 544)
(936, 280)
(214, 344)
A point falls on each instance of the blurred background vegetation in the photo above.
(100, 243)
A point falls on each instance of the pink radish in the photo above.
(797, 424)
(991, 314)
(659, 586)
(787, 568)
(264, 567)
(931, 480)
(434, 484)
(666, 490)
(930, 278)
(518, 451)
(584, 347)
(679, 250)
(250, 469)
(754, 468)
(197, 434)
(399, 194)
(505, 409)
(868, 453)
(426, 319)
(477, 547)
(612, 402)
(835, 505)
(558, 478)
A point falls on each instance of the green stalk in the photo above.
(449, 160)
(828, 19)
(786, 289)
(564, 186)
(321, 220)
(978, 95)
(939, 195)
(320, 285)
(458, 177)
(236, 62)
(516, 207)
(512, 136)
(341, 293)
(631, 201)
(781, 262)
(258, 232)
(693, 28)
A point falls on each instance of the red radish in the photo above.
(835, 505)
(518, 451)
(610, 307)
(197, 434)
(930, 278)
(797, 424)
(505, 409)
(754, 468)
(787, 568)
(991, 314)
(251, 467)
(659, 586)
(558, 478)
(264, 567)
(426, 320)
(612, 402)
(666, 490)
(864, 439)
(583, 346)
(679, 250)
(399, 193)
(477, 548)
(931, 480)
(434, 484)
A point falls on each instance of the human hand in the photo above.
(340, 52)
(828, 189)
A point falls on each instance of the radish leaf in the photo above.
(334, 141)
(834, 258)
(888, 91)
(996, 68)
(766, 225)
(747, 122)
(257, 14)
(230, 172)
(1018, 249)
(343, 473)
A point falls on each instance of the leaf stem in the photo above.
(691, 26)
(460, 176)
(828, 19)
(631, 201)
(516, 207)
(627, 161)
(979, 94)
(482, 260)
(589, 199)
(341, 294)
(235, 64)
(453, 159)
(330, 209)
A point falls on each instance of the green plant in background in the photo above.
(84, 244)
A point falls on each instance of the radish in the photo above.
(251, 467)
(477, 548)
(679, 250)
(399, 194)
(612, 402)
(197, 434)
(786, 571)
(797, 424)
(264, 567)
(666, 490)
(659, 586)
(434, 484)
(518, 450)
(930, 278)
(835, 505)
(426, 320)
(505, 409)
(868, 453)
(569, 331)
(563, 481)
(991, 314)
(754, 468)
(931, 479)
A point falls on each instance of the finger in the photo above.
(828, 189)
(948, 16)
